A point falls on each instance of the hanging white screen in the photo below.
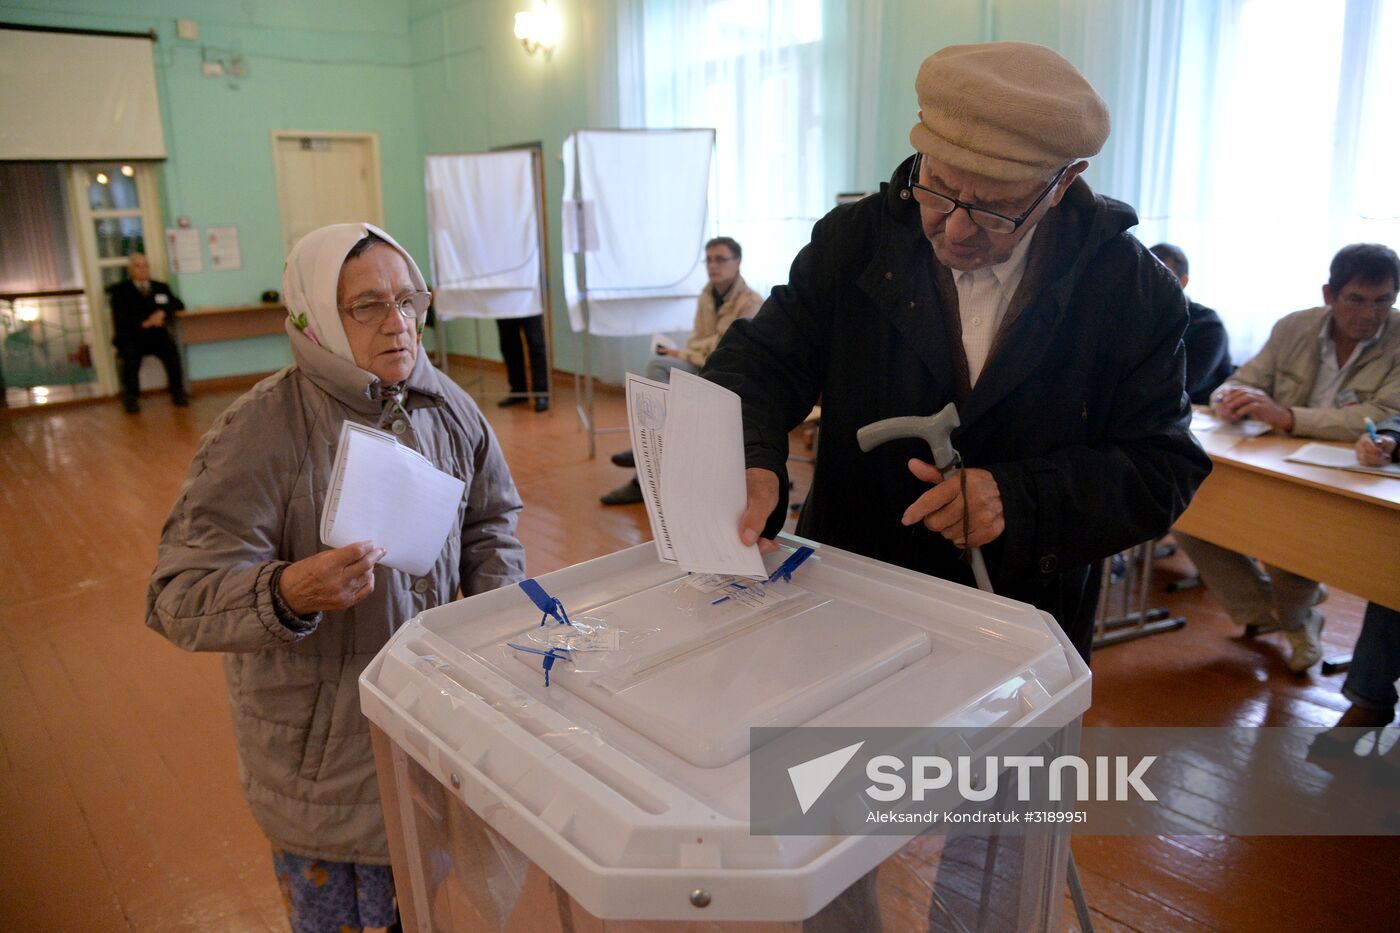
(484, 229)
(73, 97)
(645, 196)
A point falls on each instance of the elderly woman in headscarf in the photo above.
(241, 569)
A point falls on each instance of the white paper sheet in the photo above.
(225, 252)
(182, 246)
(1343, 458)
(384, 492)
(688, 439)
(646, 418)
(1203, 421)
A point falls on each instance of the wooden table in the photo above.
(208, 325)
(1330, 525)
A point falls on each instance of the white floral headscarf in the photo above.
(312, 274)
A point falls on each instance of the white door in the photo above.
(325, 178)
(116, 211)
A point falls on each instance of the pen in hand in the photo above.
(1371, 430)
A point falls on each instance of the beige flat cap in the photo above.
(1013, 111)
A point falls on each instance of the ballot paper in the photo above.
(688, 439)
(1203, 421)
(384, 492)
(1343, 458)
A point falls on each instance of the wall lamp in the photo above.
(538, 29)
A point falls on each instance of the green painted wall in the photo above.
(429, 76)
(329, 65)
(476, 89)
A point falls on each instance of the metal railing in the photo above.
(46, 341)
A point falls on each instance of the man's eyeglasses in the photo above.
(990, 221)
(719, 260)
(413, 307)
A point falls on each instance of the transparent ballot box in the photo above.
(619, 796)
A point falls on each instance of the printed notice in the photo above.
(646, 418)
(182, 245)
(224, 251)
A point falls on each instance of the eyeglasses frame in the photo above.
(972, 209)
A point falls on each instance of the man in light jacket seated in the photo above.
(727, 299)
(1321, 374)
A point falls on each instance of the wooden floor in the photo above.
(118, 784)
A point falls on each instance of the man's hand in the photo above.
(667, 351)
(941, 508)
(330, 580)
(155, 319)
(1371, 454)
(1239, 402)
(763, 499)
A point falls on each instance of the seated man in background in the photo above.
(1321, 374)
(728, 299)
(143, 312)
(1207, 343)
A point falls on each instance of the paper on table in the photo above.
(384, 492)
(1203, 421)
(688, 441)
(646, 418)
(1343, 458)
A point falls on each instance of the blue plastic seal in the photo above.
(549, 605)
(785, 569)
(557, 653)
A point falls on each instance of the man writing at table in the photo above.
(1321, 374)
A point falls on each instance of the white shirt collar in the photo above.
(1014, 266)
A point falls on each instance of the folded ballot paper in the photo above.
(688, 439)
(384, 492)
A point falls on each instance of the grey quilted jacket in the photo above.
(251, 502)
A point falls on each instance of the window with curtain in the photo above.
(1257, 135)
(755, 70)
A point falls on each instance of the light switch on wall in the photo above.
(187, 29)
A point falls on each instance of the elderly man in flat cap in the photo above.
(985, 273)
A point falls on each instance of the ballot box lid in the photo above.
(627, 777)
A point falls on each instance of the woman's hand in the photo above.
(330, 580)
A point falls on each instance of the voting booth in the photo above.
(617, 797)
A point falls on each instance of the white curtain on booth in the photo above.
(646, 200)
(484, 232)
(1257, 135)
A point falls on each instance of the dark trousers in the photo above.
(519, 335)
(157, 342)
(1375, 661)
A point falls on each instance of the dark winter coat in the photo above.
(1079, 414)
(130, 307)
(1207, 353)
